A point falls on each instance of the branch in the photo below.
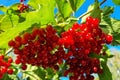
(103, 2)
(8, 51)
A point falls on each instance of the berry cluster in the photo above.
(80, 41)
(5, 66)
(43, 47)
(22, 7)
(39, 48)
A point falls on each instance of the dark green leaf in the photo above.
(112, 26)
(40, 72)
(106, 75)
(107, 10)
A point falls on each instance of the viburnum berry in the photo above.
(108, 38)
(10, 60)
(10, 71)
(22, 7)
(3, 69)
(24, 66)
(21, 0)
(18, 38)
(11, 43)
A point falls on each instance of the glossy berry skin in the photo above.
(11, 43)
(108, 38)
(10, 71)
(24, 67)
(87, 38)
(10, 60)
(5, 64)
(3, 69)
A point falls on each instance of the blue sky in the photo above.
(83, 9)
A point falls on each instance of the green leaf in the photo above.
(107, 10)
(12, 32)
(47, 8)
(3, 8)
(106, 75)
(112, 27)
(44, 12)
(64, 8)
(68, 26)
(76, 4)
(8, 21)
(40, 72)
(9, 77)
(117, 2)
(94, 11)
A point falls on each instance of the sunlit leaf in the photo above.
(76, 4)
(3, 8)
(64, 8)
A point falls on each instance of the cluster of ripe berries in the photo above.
(5, 66)
(22, 7)
(81, 40)
(44, 47)
(39, 48)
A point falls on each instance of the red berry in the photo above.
(11, 43)
(1, 75)
(3, 69)
(95, 69)
(24, 66)
(89, 20)
(18, 38)
(10, 71)
(1, 57)
(17, 61)
(10, 60)
(108, 38)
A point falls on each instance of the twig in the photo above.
(8, 51)
(103, 2)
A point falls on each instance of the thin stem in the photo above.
(8, 51)
(103, 2)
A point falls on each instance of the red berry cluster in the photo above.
(80, 41)
(22, 7)
(5, 66)
(39, 48)
(43, 47)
